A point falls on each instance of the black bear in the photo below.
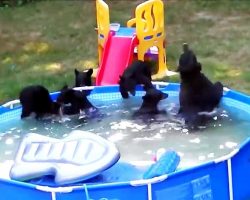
(74, 101)
(36, 99)
(139, 72)
(83, 78)
(150, 101)
(197, 93)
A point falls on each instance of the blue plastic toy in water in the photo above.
(167, 163)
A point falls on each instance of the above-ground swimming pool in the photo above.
(204, 168)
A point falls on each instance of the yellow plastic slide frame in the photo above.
(149, 23)
(103, 24)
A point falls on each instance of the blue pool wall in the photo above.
(223, 178)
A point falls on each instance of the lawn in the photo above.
(42, 42)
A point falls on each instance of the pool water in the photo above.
(138, 138)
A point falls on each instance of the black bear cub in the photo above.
(74, 101)
(197, 93)
(36, 99)
(150, 101)
(83, 78)
(139, 72)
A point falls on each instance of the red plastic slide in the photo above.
(117, 55)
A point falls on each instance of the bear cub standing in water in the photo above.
(36, 99)
(198, 95)
(83, 78)
(74, 101)
(139, 72)
(150, 102)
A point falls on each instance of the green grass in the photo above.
(42, 42)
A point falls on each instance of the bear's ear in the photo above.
(76, 72)
(90, 72)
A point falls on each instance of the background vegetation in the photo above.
(41, 42)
